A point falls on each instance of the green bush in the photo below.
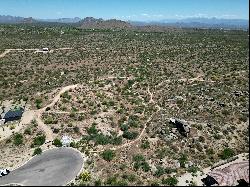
(98, 182)
(18, 139)
(140, 162)
(27, 131)
(129, 135)
(38, 103)
(37, 151)
(226, 153)
(183, 160)
(102, 139)
(92, 130)
(113, 181)
(193, 169)
(145, 144)
(171, 181)
(57, 142)
(159, 172)
(108, 155)
(39, 140)
(124, 127)
(117, 140)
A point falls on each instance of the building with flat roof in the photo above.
(13, 115)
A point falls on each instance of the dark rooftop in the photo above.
(14, 113)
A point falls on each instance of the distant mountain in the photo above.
(28, 20)
(62, 20)
(10, 19)
(90, 22)
(199, 23)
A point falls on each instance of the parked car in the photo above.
(4, 172)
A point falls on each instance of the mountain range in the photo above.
(90, 22)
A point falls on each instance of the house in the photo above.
(13, 115)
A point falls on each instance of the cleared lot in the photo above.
(54, 167)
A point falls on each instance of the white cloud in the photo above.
(144, 14)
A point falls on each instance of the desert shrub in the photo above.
(37, 151)
(129, 177)
(226, 153)
(210, 151)
(117, 140)
(130, 135)
(193, 169)
(18, 139)
(124, 127)
(113, 181)
(76, 129)
(66, 95)
(85, 176)
(108, 155)
(154, 183)
(140, 162)
(102, 139)
(145, 144)
(57, 142)
(38, 103)
(27, 131)
(183, 160)
(39, 140)
(50, 120)
(92, 130)
(170, 181)
(159, 172)
(169, 170)
(98, 182)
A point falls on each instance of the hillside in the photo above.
(90, 22)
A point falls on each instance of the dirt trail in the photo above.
(143, 130)
(57, 97)
(30, 115)
(47, 130)
(32, 49)
(38, 113)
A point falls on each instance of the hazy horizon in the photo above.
(144, 10)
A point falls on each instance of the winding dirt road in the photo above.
(32, 49)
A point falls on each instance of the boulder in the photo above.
(182, 126)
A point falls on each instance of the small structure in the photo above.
(13, 115)
(45, 49)
(181, 125)
(66, 140)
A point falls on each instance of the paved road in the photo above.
(55, 167)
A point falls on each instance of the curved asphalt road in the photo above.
(55, 167)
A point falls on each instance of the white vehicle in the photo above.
(4, 172)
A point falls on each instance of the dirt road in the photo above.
(32, 49)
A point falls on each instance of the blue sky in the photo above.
(140, 10)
